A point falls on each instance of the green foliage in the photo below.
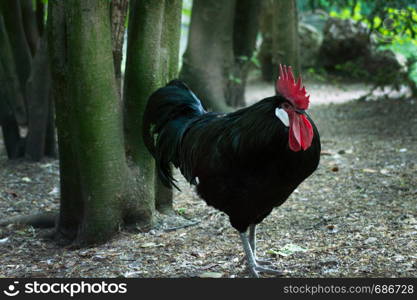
(317, 73)
(354, 70)
(186, 10)
(235, 79)
(253, 59)
(392, 25)
(394, 21)
(181, 211)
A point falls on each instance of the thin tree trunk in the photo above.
(246, 26)
(265, 52)
(38, 88)
(142, 77)
(12, 14)
(13, 143)
(30, 25)
(40, 16)
(11, 100)
(71, 201)
(169, 70)
(208, 60)
(285, 35)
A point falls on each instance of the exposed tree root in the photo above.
(42, 220)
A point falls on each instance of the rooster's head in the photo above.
(291, 111)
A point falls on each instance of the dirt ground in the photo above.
(356, 216)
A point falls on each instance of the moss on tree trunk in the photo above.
(142, 77)
(98, 191)
(95, 119)
(170, 45)
(100, 188)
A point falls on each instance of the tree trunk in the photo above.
(246, 26)
(12, 14)
(169, 70)
(265, 52)
(285, 35)
(11, 100)
(99, 191)
(40, 16)
(95, 179)
(96, 117)
(142, 78)
(30, 25)
(208, 60)
(71, 201)
(13, 143)
(39, 108)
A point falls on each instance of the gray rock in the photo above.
(344, 40)
(310, 40)
(317, 19)
(387, 68)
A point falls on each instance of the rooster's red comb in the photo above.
(294, 92)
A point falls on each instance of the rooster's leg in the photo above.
(249, 254)
(252, 238)
(252, 242)
(254, 268)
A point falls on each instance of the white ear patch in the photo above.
(283, 116)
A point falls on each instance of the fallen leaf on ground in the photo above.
(211, 275)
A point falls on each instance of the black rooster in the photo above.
(243, 163)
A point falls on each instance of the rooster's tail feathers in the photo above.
(168, 112)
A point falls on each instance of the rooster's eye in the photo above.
(286, 105)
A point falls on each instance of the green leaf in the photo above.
(290, 249)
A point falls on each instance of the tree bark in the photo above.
(13, 143)
(30, 25)
(38, 88)
(246, 27)
(208, 60)
(71, 201)
(170, 45)
(50, 138)
(40, 16)
(95, 179)
(11, 100)
(265, 52)
(12, 14)
(96, 117)
(285, 35)
(99, 191)
(142, 77)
